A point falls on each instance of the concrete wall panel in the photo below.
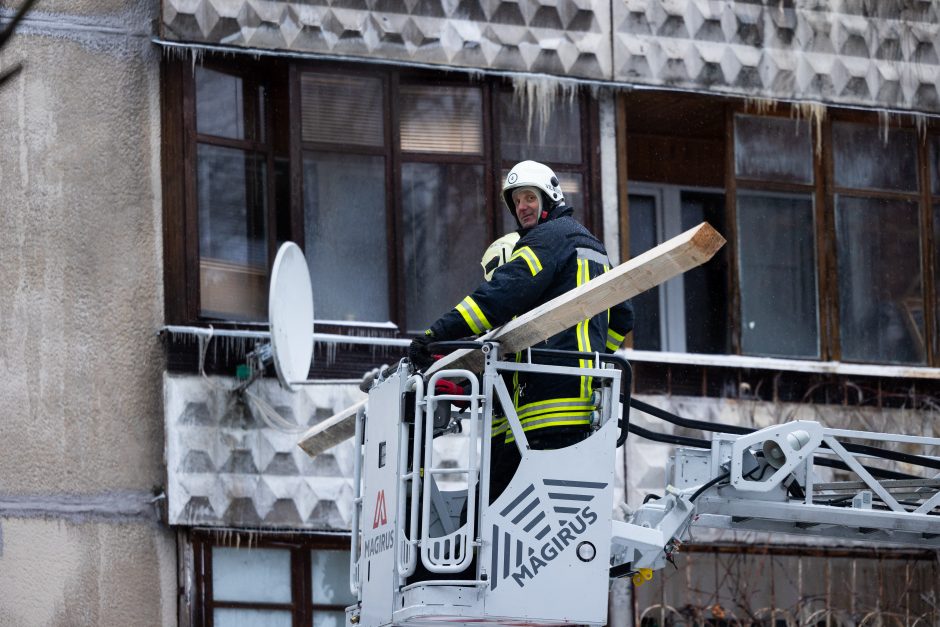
(81, 253)
(65, 573)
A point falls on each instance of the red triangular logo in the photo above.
(381, 517)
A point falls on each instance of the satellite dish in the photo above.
(290, 311)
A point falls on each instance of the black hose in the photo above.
(717, 479)
(688, 423)
(669, 439)
(907, 458)
(818, 461)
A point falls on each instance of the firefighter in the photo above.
(554, 254)
(498, 253)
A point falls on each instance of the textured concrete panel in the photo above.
(561, 37)
(878, 54)
(226, 466)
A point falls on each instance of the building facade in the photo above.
(156, 155)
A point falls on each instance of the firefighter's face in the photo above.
(527, 202)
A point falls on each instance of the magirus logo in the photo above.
(550, 528)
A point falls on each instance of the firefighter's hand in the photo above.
(418, 353)
(443, 386)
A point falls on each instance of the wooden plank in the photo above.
(335, 429)
(655, 266)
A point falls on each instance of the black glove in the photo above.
(418, 352)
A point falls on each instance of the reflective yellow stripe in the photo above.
(554, 403)
(468, 318)
(555, 418)
(473, 316)
(614, 340)
(531, 259)
(500, 426)
(554, 421)
(581, 330)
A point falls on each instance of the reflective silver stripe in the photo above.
(531, 259)
(593, 255)
(470, 308)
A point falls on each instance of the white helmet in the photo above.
(498, 253)
(533, 174)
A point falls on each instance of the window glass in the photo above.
(441, 119)
(232, 232)
(865, 157)
(549, 133)
(778, 275)
(772, 148)
(342, 109)
(643, 236)
(880, 290)
(219, 104)
(331, 578)
(346, 244)
(707, 328)
(229, 617)
(445, 235)
(236, 573)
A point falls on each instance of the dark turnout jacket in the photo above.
(550, 259)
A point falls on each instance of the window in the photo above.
(878, 245)
(231, 173)
(689, 312)
(389, 179)
(306, 581)
(442, 195)
(776, 237)
(833, 233)
(345, 194)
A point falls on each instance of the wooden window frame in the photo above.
(823, 191)
(179, 161)
(181, 229)
(301, 546)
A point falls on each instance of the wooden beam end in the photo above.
(706, 240)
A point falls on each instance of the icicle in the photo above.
(815, 112)
(760, 106)
(920, 123)
(537, 98)
(884, 124)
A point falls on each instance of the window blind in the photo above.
(342, 109)
(441, 119)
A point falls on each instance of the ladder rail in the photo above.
(354, 553)
(407, 555)
(451, 553)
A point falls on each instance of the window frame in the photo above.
(181, 229)
(823, 192)
(301, 546)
